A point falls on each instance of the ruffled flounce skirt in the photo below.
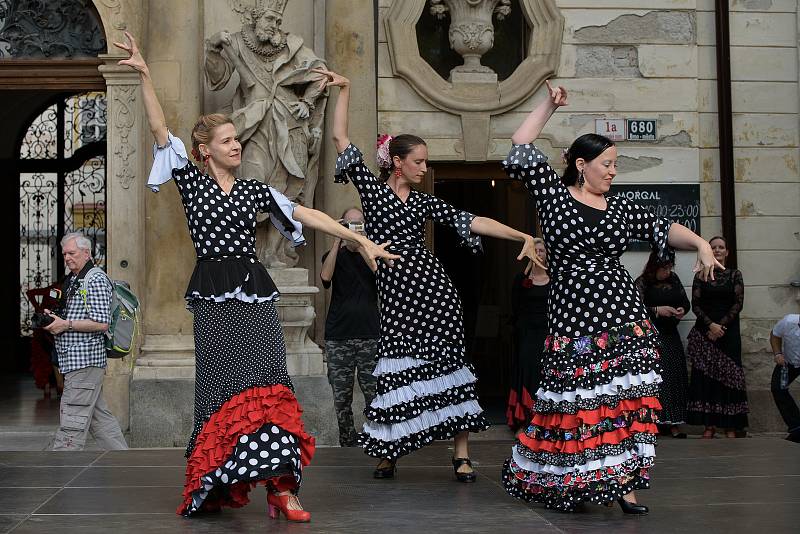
(717, 389)
(593, 433)
(420, 399)
(257, 437)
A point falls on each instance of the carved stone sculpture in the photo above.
(471, 30)
(278, 110)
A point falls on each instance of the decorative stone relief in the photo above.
(35, 29)
(124, 119)
(475, 98)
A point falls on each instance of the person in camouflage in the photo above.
(352, 327)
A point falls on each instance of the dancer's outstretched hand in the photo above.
(706, 263)
(529, 251)
(135, 59)
(557, 94)
(372, 252)
(330, 79)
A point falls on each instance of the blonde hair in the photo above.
(539, 241)
(203, 130)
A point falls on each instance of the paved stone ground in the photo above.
(722, 485)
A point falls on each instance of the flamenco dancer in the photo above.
(593, 433)
(425, 390)
(247, 421)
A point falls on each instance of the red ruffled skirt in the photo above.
(260, 425)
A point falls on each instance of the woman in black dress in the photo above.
(592, 435)
(529, 293)
(426, 390)
(667, 303)
(717, 390)
(247, 422)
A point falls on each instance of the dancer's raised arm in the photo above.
(340, 116)
(533, 124)
(155, 115)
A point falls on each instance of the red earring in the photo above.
(397, 172)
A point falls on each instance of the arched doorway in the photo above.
(62, 189)
(52, 147)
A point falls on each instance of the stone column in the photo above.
(124, 208)
(162, 382)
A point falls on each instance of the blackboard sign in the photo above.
(678, 202)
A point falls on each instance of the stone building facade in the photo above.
(656, 59)
(618, 58)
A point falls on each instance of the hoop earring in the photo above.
(581, 180)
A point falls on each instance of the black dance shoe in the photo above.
(385, 472)
(632, 507)
(463, 477)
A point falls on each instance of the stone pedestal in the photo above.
(296, 312)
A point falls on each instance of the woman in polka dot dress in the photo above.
(247, 422)
(592, 436)
(426, 391)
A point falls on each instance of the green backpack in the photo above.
(121, 333)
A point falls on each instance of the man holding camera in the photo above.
(352, 327)
(79, 330)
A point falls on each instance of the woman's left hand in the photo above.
(529, 251)
(706, 263)
(372, 252)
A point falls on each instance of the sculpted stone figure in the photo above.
(278, 110)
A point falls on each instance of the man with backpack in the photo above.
(80, 336)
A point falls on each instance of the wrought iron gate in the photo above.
(62, 188)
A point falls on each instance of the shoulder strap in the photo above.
(85, 283)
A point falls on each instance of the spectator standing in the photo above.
(529, 293)
(717, 390)
(666, 301)
(785, 342)
(81, 348)
(352, 327)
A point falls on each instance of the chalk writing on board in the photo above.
(679, 203)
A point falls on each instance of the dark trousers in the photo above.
(783, 399)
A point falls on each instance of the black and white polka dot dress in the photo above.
(592, 436)
(247, 422)
(425, 389)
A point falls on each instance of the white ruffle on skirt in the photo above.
(640, 450)
(423, 388)
(420, 423)
(395, 365)
(623, 383)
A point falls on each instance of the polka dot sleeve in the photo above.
(646, 226)
(443, 213)
(529, 164)
(350, 166)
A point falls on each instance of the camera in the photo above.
(40, 320)
(355, 227)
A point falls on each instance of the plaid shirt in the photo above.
(77, 350)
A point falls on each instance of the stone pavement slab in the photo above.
(724, 485)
